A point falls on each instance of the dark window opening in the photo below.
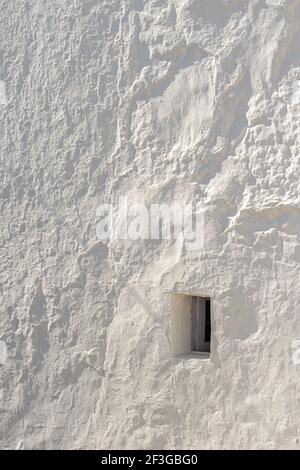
(201, 324)
(207, 321)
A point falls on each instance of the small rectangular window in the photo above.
(190, 324)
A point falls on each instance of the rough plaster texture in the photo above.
(159, 100)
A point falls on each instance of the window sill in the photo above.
(203, 356)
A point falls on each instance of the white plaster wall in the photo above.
(161, 100)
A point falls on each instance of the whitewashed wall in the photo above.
(160, 101)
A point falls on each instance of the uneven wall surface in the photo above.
(160, 101)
